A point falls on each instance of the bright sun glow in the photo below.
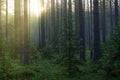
(10, 6)
(36, 8)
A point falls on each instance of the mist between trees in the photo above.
(74, 36)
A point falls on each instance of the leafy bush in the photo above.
(110, 63)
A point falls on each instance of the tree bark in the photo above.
(96, 31)
(42, 27)
(104, 23)
(116, 12)
(81, 31)
(0, 31)
(26, 38)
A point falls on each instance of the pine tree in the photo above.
(69, 45)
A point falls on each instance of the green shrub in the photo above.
(110, 62)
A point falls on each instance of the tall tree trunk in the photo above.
(21, 33)
(76, 17)
(103, 23)
(0, 31)
(65, 24)
(6, 22)
(88, 15)
(40, 38)
(91, 29)
(57, 25)
(111, 17)
(96, 31)
(119, 10)
(43, 27)
(81, 31)
(26, 39)
(53, 22)
(16, 26)
(70, 32)
(116, 12)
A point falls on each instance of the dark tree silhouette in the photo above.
(96, 31)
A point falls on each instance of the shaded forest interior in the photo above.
(59, 40)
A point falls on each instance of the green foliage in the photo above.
(110, 63)
(44, 71)
(34, 54)
(69, 48)
(11, 69)
(46, 66)
(47, 52)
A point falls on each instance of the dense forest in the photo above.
(59, 39)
